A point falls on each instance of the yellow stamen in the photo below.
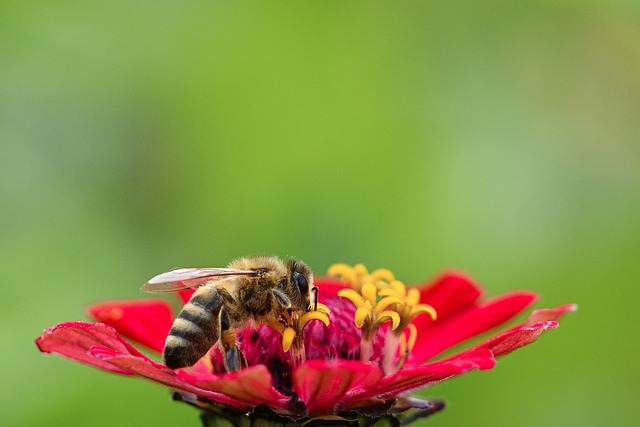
(388, 292)
(413, 297)
(278, 326)
(343, 271)
(361, 272)
(355, 298)
(296, 322)
(292, 324)
(402, 345)
(387, 301)
(382, 274)
(399, 287)
(406, 345)
(409, 305)
(368, 291)
(288, 336)
(423, 308)
(413, 336)
(369, 313)
(358, 275)
(312, 315)
(323, 309)
(378, 297)
(389, 315)
(362, 315)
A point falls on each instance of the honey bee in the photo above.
(259, 289)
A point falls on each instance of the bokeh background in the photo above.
(497, 137)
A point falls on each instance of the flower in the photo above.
(382, 340)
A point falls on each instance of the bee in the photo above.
(258, 288)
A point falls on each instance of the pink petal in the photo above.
(466, 324)
(538, 322)
(74, 339)
(144, 367)
(145, 321)
(321, 384)
(252, 386)
(421, 376)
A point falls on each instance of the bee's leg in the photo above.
(234, 359)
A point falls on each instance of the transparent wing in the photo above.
(183, 278)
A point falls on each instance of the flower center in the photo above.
(291, 324)
(379, 298)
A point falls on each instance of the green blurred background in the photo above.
(501, 138)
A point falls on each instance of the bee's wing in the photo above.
(183, 278)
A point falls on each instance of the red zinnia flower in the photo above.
(381, 342)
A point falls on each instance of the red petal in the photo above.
(513, 340)
(448, 294)
(145, 321)
(252, 386)
(321, 384)
(422, 376)
(538, 322)
(73, 339)
(329, 287)
(466, 324)
(545, 314)
(147, 368)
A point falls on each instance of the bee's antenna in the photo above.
(315, 291)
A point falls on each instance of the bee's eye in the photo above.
(301, 281)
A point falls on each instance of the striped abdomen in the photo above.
(197, 327)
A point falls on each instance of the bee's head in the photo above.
(300, 285)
